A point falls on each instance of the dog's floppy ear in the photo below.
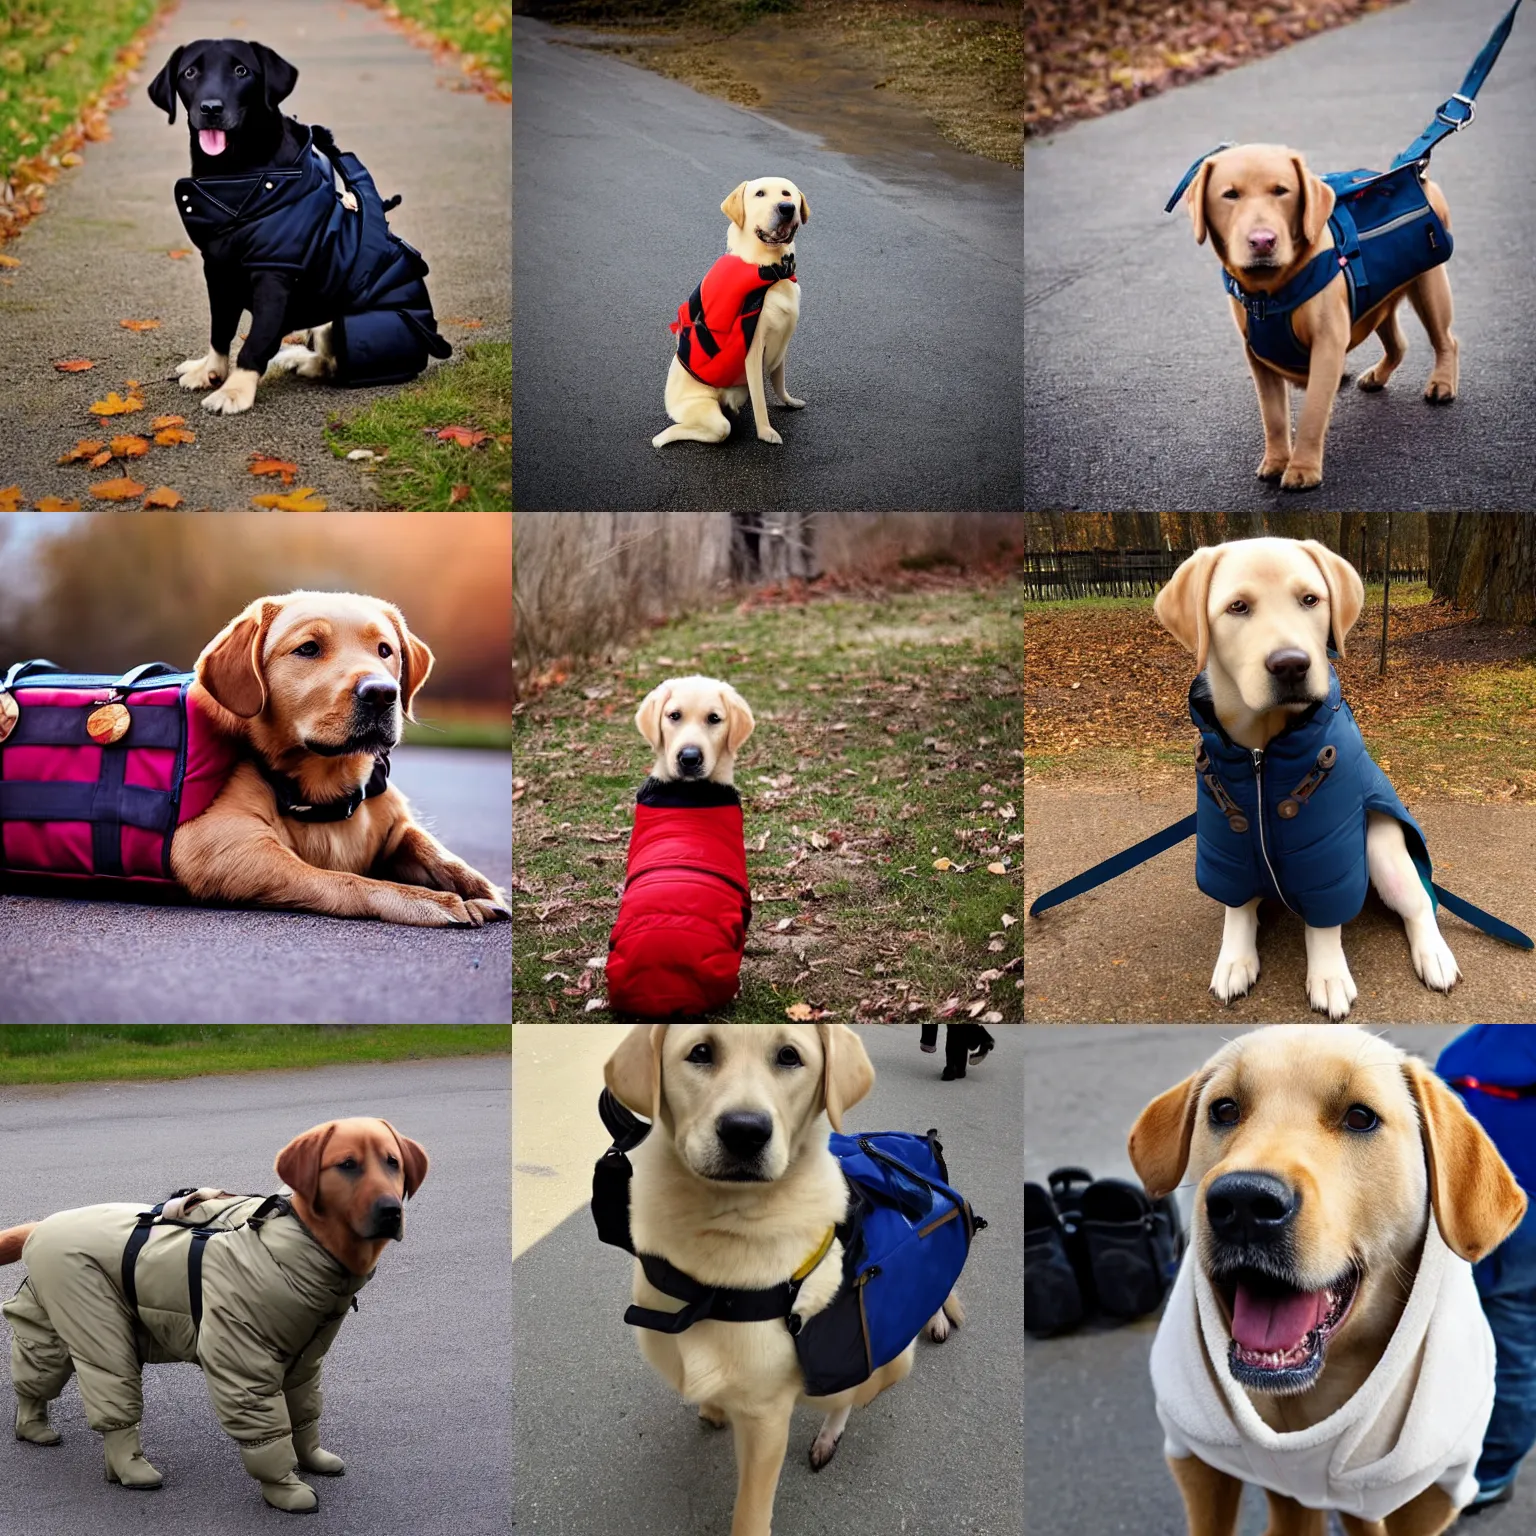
(230, 666)
(1476, 1201)
(1159, 1141)
(415, 660)
(846, 1072)
(739, 723)
(278, 76)
(1346, 592)
(1317, 200)
(805, 209)
(1180, 606)
(648, 716)
(735, 207)
(1195, 197)
(162, 89)
(298, 1164)
(413, 1159)
(633, 1072)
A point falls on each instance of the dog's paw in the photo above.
(938, 1327)
(768, 435)
(238, 394)
(202, 372)
(1272, 466)
(1301, 477)
(1433, 962)
(1439, 391)
(1234, 975)
(713, 1416)
(484, 910)
(824, 1447)
(1370, 381)
(1331, 992)
(791, 403)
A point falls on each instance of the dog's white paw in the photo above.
(713, 1416)
(1234, 975)
(238, 394)
(203, 372)
(1331, 991)
(938, 1327)
(1433, 961)
(768, 435)
(824, 1446)
(792, 403)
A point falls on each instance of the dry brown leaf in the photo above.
(139, 325)
(167, 421)
(263, 464)
(465, 437)
(74, 365)
(116, 405)
(70, 158)
(53, 504)
(459, 493)
(162, 496)
(121, 489)
(10, 499)
(82, 450)
(9, 261)
(128, 447)
(305, 499)
(997, 869)
(173, 435)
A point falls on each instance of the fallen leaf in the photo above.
(799, 1012)
(9, 261)
(74, 365)
(818, 841)
(10, 499)
(173, 435)
(974, 1008)
(179, 254)
(261, 464)
(1009, 920)
(470, 325)
(116, 405)
(96, 460)
(943, 864)
(465, 437)
(82, 450)
(994, 1017)
(305, 499)
(162, 496)
(71, 158)
(996, 947)
(997, 869)
(128, 447)
(121, 489)
(53, 504)
(139, 325)
(363, 455)
(592, 1004)
(167, 421)
(783, 923)
(459, 493)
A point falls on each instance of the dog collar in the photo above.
(290, 797)
(816, 1258)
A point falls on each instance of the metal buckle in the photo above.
(1457, 124)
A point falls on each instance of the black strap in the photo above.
(720, 1303)
(131, 804)
(106, 826)
(20, 669)
(136, 1240)
(195, 1273)
(132, 678)
(291, 801)
(151, 725)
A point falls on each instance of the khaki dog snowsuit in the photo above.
(271, 1301)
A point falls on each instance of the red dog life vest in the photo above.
(675, 951)
(75, 802)
(715, 325)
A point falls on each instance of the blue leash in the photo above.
(1172, 836)
(1451, 117)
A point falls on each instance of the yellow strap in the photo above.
(816, 1257)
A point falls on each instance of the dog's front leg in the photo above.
(761, 1442)
(1330, 987)
(1275, 409)
(757, 388)
(1397, 882)
(1305, 471)
(1211, 1498)
(269, 309)
(1237, 966)
(226, 300)
(417, 858)
(301, 1392)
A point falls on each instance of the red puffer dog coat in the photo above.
(675, 951)
(716, 323)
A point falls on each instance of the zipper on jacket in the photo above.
(693, 869)
(1391, 224)
(1258, 773)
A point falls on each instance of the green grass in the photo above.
(455, 732)
(848, 695)
(54, 56)
(419, 474)
(85, 1053)
(474, 27)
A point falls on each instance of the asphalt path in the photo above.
(98, 255)
(1093, 1449)
(907, 348)
(603, 1447)
(1141, 948)
(67, 959)
(416, 1382)
(1139, 395)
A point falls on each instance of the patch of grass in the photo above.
(459, 731)
(479, 29)
(886, 739)
(420, 473)
(81, 1053)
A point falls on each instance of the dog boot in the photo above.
(32, 1422)
(272, 1465)
(306, 1445)
(125, 1460)
(292, 1495)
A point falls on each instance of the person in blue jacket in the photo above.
(1493, 1068)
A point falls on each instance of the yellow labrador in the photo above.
(1256, 614)
(737, 1187)
(1325, 1327)
(697, 725)
(1266, 216)
(765, 216)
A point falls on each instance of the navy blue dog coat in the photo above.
(349, 268)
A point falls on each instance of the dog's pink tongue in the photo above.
(1276, 1322)
(212, 140)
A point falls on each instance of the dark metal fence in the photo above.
(1070, 573)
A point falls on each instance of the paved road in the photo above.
(1139, 396)
(415, 1385)
(98, 255)
(604, 1448)
(907, 350)
(66, 960)
(1147, 966)
(1092, 1446)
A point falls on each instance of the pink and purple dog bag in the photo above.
(96, 773)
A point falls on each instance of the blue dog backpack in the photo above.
(905, 1239)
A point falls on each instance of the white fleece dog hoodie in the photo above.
(1418, 1418)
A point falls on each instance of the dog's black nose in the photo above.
(1290, 666)
(690, 759)
(213, 107)
(1250, 1208)
(388, 1218)
(378, 694)
(744, 1133)
(786, 210)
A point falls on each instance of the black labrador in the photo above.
(231, 89)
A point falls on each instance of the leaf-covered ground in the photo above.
(1454, 718)
(1083, 58)
(887, 742)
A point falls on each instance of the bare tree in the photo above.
(1485, 563)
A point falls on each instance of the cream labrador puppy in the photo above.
(736, 1186)
(1257, 615)
(697, 725)
(735, 328)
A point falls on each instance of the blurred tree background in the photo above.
(104, 591)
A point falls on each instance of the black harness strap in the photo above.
(290, 798)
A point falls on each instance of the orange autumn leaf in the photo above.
(139, 325)
(74, 365)
(132, 386)
(161, 422)
(96, 460)
(469, 325)
(121, 489)
(305, 499)
(262, 464)
(82, 450)
(53, 504)
(179, 254)
(465, 437)
(162, 496)
(459, 493)
(10, 499)
(116, 405)
(173, 435)
(9, 261)
(128, 447)
(70, 158)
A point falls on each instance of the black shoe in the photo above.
(980, 1054)
(949, 1074)
(1053, 1299)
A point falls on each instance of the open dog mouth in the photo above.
(1279, 1332)
(778, 236)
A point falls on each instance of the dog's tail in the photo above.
(11, 1241)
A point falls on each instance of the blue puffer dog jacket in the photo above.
(350, 269)
(1289, 822)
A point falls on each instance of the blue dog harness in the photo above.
(1385, 233)
(349, 267)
